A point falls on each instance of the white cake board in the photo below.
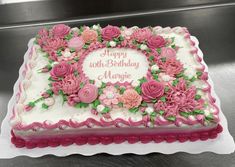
(223, 144)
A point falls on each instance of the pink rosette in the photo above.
(168, 52)
(76, 43)
(73, 99)
(152, 90)
(142, 34)
(130, 99)
(109, 32)
(61, 70)
(89, 35)
(60, 30)
(88, 93)
(171, 66)
(43, 32)
(56, 86)
(70, 84)
(156, 42)
(52, 44)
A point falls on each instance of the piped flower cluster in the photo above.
(166, 91)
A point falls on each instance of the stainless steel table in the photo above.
(213, 26)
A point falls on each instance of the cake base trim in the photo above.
(131, 139)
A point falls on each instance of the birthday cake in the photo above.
(92, 85)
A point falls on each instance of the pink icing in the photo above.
(88, 93)
(141, 35)
(61, 70)
(73, 99)
(52, 44)
(70, 84)
(171, 66)
(60, 30)
(152, 90)
(110, 96)
(109, 32)
(168, 52)
(156, 41)
(89, 35)
(76, 43)
(130, 98)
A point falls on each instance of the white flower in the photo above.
(135, 83)
(100, 108)
(166, 78)
(75, 29)
(154, 68)
(98, 83)
(67, 53)
(54, 63)
(149, 110)
(112, 43)
(143, 47)
(49, 101)
(207, 112)
(95, 27)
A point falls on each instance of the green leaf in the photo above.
(163, 59)
(120, 104)
(105, 110)
(91, 81)
(196, 112)
(209, 117)
(144, 113)
(199, 73)
(100, 91)
(175, 82)
(85, 46)
(155, 77)
(193, 79)
(103, 85)
(171, 118)
(44, 106)
(58, 52)
(108, 45)
(153, 114)
(117, 86)
(142, 80)
(50, 92)
(84, 105)
(78, 105)
(82, 85)
(197, 97)
(95, 104)
(49, 67)
(184, 114)
(173, 46)
(161, 112)
(75, 73)
(122, 90)
(138, 89)
(144, 104)
(151, 58)
(163, 98)
(166, 89)
(31, 104)
(69, 36)
(154, 100)
(72, 50)
(180, 75)
(121, 38)
(159, 50)
(134, 110)
(185, 77)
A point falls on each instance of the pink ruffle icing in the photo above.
(117, 139)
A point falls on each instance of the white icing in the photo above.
(136, 65)
(154, 67)
(143, 47)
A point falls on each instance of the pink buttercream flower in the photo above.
(60, 30)
(169, 109)
(61, 70)
(184, 97)
(127, 32)
(56, 86)
(130, 99)
(43, 32)
(156, 41)
(52, 44)
(171, 66)
(168, 52)
(73, 99)
(141, 35)
(152, 90)
(88, 93)
(109, 32)
(89, 35)
(70, 84)
(76, 43)
(110, 96)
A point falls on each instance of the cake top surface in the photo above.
(113, 76)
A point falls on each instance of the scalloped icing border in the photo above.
(117, 139)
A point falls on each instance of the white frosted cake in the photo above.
(93, 85)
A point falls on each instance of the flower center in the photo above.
(110, 95)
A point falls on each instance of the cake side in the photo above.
(41, 108)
